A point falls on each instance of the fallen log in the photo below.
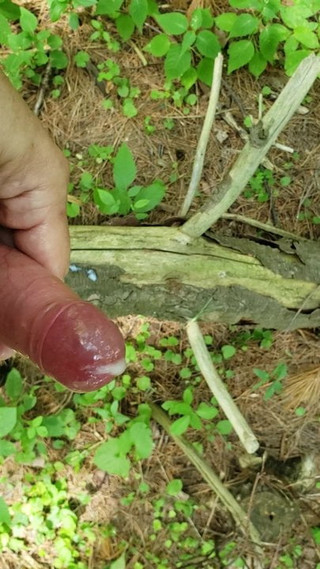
(153, 271)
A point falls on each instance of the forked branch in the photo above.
(262, 137)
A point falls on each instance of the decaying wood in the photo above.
(263, 136)
(177, 273)
(150, 271)
(219, 390)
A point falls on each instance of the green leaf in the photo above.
(8, 419)
(196, 19)
(228, 351)
(295, 15)
(208, 44)
(81, 59)
(158, 46)
(244, 4)
(54, 42)
(261, 374)
(315, 532)
(257, 64)
(28, 21)
(9, 10)
(189, 78)
(205, 70)
(206, 411)
(123, 201)
(226, 21)
(108, 457)
(5, 517)
(305, 36)
(129, 108)
(125, 26)
(280, 371)
(173, 23)
(83, 3)
(177, 407)
(177, 62)
(188, 395)
(143, 383)
(188, 40)
(108, 7)
(180, 426)
(13, 385)
(270, 38)
(140, 204)
(124, 168)
(293, 59)
(270, 10)
(244, 25)
(73, 209)
(141, 438)
(153, 194)
(195, 421)
(138, 11)
(57, 9)
(240, 53)
(7, 448)
(5, 29)
(174, 487)
(61, 424)
(58, 59)
(105, 201)
(224, 427)
(119, 563)
(207, 19)
(73, 21)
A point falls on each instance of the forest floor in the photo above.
(281, 490)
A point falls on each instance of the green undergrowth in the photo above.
(260, 35)
(47, 447)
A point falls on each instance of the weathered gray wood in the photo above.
(150, 271)
(263, 135)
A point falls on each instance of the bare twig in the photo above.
(263, 226)
(43, 89)
(139, 53)
(219, 390)
(263, 136)
(238, 514)
(204, 137)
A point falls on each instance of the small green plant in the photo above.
(29, 50)
(101, 35)
(261, 185)
(125, 197)
(274, 378)
(191, 57)
(307, 212)
(263, 337)
(267, 32)
(194, 418)
(134, 443)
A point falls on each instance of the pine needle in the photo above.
(303, 389)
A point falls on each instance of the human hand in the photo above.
(33, 188)
(40, 316)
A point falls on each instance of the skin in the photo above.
(33, 188)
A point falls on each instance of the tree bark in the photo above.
(153, 271)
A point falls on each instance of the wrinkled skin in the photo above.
(34, 314)
(33, 188)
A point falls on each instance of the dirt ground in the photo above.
(76, 120)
